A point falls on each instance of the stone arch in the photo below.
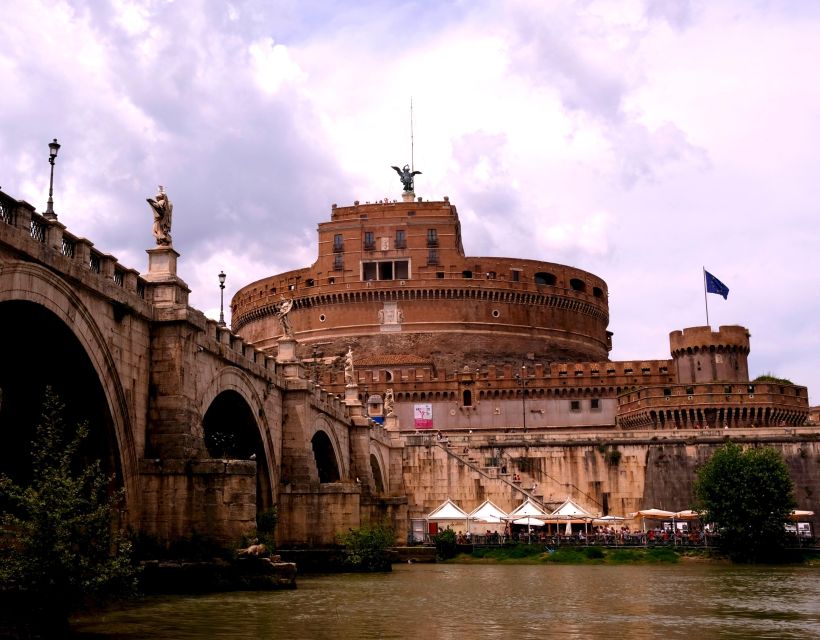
(232, 380)
(381, 480)
(27, 282)
(325, 457)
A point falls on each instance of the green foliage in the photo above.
(748, 496)
(266, 526)
(368, 548)
(768, 377)
(445, 541)
(60, 544)
(612, 457)
(594, 553)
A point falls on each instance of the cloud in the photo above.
(637, 140)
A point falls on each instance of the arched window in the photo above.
(577, 285)
(545, 278)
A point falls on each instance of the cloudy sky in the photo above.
(640, 140)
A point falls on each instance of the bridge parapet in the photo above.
(49, 243)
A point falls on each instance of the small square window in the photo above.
(574, 405)
(594, 403)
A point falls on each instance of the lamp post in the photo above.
(53, 148)
(522, 381)
(221, 298)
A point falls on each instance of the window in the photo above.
(386, 270)
(401, 240)
(369, 241)
(309, 282)
(598, 292)
(516, 275)
(432, 256)
(338, 243)
(467, 274)
(545, 278)
(577, 285)
(491, 275)
(440, 275)
(432, 238)
(667, 391)
(338, 262)
(574, 405)
(467, 398)
(594, 404)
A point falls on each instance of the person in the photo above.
(162, 216)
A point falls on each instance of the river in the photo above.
(449, 601)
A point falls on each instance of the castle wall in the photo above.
(605, 473)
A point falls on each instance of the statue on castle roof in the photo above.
(406, 176)
(163, 208)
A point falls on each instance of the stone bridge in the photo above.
(202, 430)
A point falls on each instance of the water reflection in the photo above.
(495, 601)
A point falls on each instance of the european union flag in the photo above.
(713, 285)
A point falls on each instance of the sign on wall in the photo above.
(423, 416)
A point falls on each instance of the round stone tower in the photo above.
(701, 355)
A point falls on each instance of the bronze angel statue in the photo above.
(406, 176)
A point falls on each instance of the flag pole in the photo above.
(705, 300)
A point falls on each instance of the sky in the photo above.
(640, 140)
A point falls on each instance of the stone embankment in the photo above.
(251, 573)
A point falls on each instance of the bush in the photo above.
(367, 548)
(594, 553)
(445, 542)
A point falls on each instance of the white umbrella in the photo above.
(530, 521)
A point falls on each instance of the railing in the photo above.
(38, 230)
(119, 277)
(7, 211)
(68, 246)
(94, 262)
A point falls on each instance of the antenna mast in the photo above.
(412, 165)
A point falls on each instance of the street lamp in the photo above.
(221, 298)
(522, 381)
(53, 148)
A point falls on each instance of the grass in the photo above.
(536, 554)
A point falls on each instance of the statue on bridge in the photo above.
(350, 378)
(389, 402)
(163, 208)
(406, 177)
(282, 310)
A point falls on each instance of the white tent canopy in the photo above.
(527, 508)
(447, 510)
(487, 512)
(569, 510)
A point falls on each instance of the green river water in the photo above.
(432, 601)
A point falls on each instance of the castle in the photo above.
(476, 337)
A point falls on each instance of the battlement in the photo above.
(692, 339)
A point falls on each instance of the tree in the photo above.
(59, 545)
(748, 496)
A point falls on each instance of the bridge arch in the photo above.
(37, 289)
(231, 407)
(327, 453)
(378, 467)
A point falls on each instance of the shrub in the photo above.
(367, 548)
(445, 541)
